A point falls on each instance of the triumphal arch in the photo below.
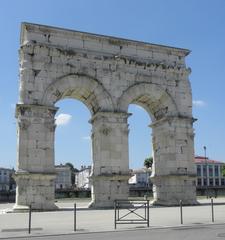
(106, 74)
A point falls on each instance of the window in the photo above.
(217, 182)
(211, 182)
(204, 170)
(216, 171)
(204, 182)
(210, 170)
(222, 181)
(198, 170)
(199, 182)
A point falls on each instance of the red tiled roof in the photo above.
(200, 159)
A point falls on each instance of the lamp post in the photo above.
(206, 166)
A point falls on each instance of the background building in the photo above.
(82, 178)
(63, 178)
(6, 181)
(140, 178)
(140, 183)
(209, 176)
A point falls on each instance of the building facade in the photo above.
(209, 173)
(140, 178)
(63, 177)
(6, 181)
(82, 178)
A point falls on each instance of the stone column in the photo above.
(174, 171)
(202, 176)
(219, 169)
(110, 171)
(35, 173)
(213, 176)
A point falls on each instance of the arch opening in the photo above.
(158, 104)
(81, 87)
(139, 150)
(154, 99)
(139, 136)
(72, 146)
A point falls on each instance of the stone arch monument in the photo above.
(106, 74)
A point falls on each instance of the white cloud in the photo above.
(198, 103)
(62, 119)
(88, 138)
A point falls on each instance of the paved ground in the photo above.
(61, 222)
(206, 232)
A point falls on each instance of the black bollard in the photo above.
(181, 212)
(212, 210)
(29, 224)
(75, 218)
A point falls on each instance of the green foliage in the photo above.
(148, 162)
(223, 170)
(70, 165)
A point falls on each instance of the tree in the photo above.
(223, 170)
(148, 162)
(70, 165)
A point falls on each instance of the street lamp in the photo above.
(206, 166)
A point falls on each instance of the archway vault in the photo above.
(106, 74)
(153, 98)
(81, 87)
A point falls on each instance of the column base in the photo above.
(172, 203)
(101, 205)
(36, 190)
(38, 207)
(108, 188)
(169, 190)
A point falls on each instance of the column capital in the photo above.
(27, 110)
(28, 114)
(171, 119)
(111, 117)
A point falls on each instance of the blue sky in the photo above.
(196, 25)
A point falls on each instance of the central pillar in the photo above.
(174, 171)
(35, 174)
(110, 171)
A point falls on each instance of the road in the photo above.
(198, 232)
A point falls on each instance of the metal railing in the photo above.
(212, 210)
(74, 218)
(131, 215)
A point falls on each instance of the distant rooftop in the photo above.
(201, 159)
(8, 169)
(142, 170)
(62, 166)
